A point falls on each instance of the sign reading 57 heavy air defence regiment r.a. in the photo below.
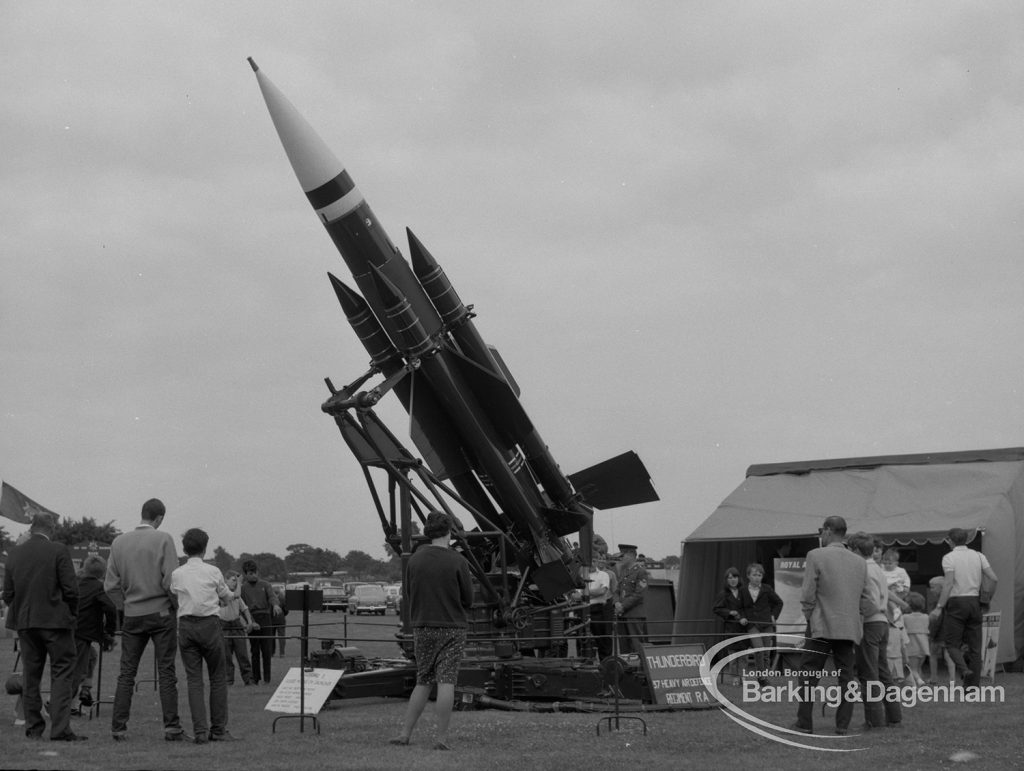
(673, 672)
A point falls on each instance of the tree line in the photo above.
(301, 558)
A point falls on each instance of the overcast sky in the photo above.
(716, 233)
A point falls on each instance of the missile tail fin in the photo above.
(619, 481)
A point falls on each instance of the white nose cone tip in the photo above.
(313, 162)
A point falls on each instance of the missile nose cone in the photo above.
(312, 161)
(252, 64)
(390, 294)
(422, 261)
(351, 303)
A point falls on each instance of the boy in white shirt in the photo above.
(201, 591)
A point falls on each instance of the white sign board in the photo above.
(318, 686)
(989, 643)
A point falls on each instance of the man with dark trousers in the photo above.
(629, 604)
(42, 592)
(259, 597)
(963, 569)
(835, 596)
(139, 580)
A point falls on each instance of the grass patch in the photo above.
(354, 733)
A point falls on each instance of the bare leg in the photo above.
(445, 702)
(417, 701)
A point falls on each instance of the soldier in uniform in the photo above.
(629, 602)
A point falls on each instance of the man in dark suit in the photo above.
(42, 592)
(834, 596)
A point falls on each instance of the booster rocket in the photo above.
(466, 418)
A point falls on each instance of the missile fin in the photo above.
(619, 481)
(563, 522)
(504, 369)
(495, 396)
(432, 433)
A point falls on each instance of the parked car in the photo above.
(367, 598)
(393, 597)
(334, 594)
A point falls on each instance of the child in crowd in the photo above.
(200, 589)
(763, 608)
(936, 649)
(235, 623)
(96, 623)
(729, 606)
(898, 581)
(916, 622)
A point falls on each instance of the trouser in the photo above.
(816, 652)
(602, 620)
(161, 628)
(84, 653)
(279, 633)
(200, 640)
(876, 678)
(632, 633)
(762, 659)
(35, 646)
(236, 646)
(261, 646)
(961, 625)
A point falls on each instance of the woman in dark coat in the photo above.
(730, 606)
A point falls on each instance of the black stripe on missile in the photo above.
(329, 192)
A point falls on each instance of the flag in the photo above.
(21, 508)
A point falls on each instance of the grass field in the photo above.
(353, 734)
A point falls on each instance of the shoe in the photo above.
(441, 746)
(400, 740)
(119, 737)
(181, 736)
(200, 739)
(224, 737)
(34, 736)
(69, 737)
(801, 728)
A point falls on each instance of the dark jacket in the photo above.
(39, 586)
(767, 606)
(725, 603)
(97, 616)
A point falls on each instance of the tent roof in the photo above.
(923, 459)
(906, 498)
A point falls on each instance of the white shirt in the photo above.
(897, 579)
(199, 588)
(966, 568)
(599, 582)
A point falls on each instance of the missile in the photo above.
(458, 318)
(431, 431)
(409, 320)
(467, 420)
